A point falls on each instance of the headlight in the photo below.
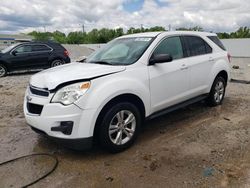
(71, 93)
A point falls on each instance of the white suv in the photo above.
(133, 77)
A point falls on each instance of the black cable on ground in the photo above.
(240, 81)
(36, 154)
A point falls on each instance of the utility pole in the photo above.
(83, 28)
(141, 27)
(44, 27)
(169, 27)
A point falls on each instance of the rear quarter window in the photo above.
(56, 46)
(217, 41)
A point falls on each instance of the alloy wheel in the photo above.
(122, 127)
(2, 71)
(219, 91)
(56, 63)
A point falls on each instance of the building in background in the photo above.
(12, 39)
(6, 40)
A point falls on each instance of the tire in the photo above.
(114, 134)
(3, 70)
(217, 92)
(56, 63)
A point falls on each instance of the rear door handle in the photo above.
(184, 67)
(211, 59)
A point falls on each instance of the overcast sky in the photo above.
(18, 16)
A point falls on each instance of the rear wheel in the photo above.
(120, 126)
(3, 70)
(56, 62)
(217, 92)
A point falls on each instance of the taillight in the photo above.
(66, 53)
(229, 57)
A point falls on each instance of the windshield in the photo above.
(124, 51)
(9, 48)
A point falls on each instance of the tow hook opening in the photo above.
(65, 127)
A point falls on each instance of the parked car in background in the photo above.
(132, 78)
(32, 55)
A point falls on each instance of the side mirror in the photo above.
(160, 58)
(14, 53)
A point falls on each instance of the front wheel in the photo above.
(120, 126)
(3, 70)
(217, 92)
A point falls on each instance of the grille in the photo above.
(34, 108)
(38, 91)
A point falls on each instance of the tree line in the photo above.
(104, 35)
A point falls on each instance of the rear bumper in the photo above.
(67, 60)
(75, 144)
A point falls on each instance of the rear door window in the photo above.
(171, 46)
(196, 46)
(40, 48)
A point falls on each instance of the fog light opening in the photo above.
(65, 127)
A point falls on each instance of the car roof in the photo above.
(48, 43)
(166, 33)
(41, 42)
(191, 33)
(146, 34)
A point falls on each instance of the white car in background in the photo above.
(132, 78)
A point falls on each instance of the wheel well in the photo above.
(121, 98)
(55, 58)
(2, 63)
(223, 74)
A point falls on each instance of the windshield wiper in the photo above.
(101, 62)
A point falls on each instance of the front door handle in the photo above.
(184, 67)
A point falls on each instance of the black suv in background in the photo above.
(32, 55)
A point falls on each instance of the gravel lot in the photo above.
(196, 146)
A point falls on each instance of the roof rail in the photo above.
(44, 41)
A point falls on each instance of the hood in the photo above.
(53, 77)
